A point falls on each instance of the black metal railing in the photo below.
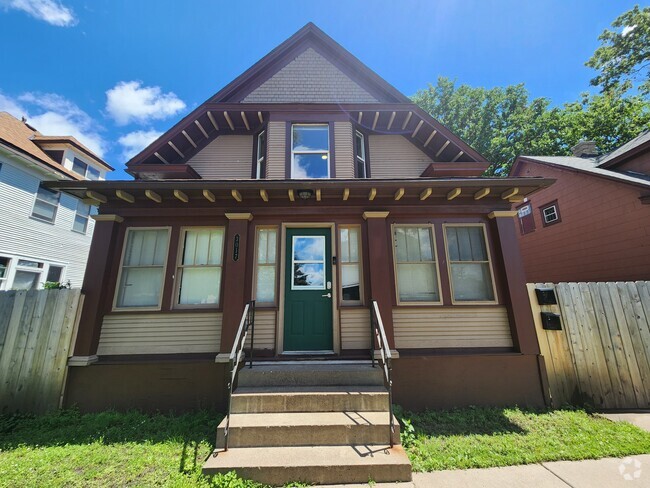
(238, 355)
(378, 336)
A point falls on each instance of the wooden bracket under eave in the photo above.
(482, 193)
(152, 195)
(426, 194)
(509, 193)
(399, 194)
(209, 196)
(346, 194)
(318, 195)
(236, 195)
(264, 195)
(292, 196)
(93, 195)
(453, 193)
(122, 195)
(181, 196)
(372, 194)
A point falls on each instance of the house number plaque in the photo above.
(235, 249)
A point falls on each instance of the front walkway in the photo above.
(609, 472)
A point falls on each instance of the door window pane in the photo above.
(200, 268)
(143, 265)
(417, 274)
(266, 259)
(469, 265)
(308, 263)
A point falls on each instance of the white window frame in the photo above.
(56, 207)
(357, 158)
(275, 265)
(555, 212)
(77, 214)
(359, 263)
(178, 277)
(328, 152)
(260, 160)
(115, 308)
(434, 251)
(55, 265)
(4, 279)
(489, 261)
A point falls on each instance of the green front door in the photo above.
(308, 290)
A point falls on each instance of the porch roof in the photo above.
(258, 192)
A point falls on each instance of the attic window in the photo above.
(550, 213)
(310, 151)
(83, 169)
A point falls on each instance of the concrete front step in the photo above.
(314, 464)
(310, 375)
(307, 429)
(275, 399)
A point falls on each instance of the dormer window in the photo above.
(310, 151)
(360, 158)
(83, 169)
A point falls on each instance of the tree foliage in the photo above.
(502, 123)
(623, 58)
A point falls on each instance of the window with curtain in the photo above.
(266, 266)
(200, 266)
(469, 264)
(350, 241)
(415, 263)
(143, 267)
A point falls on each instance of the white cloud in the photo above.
(136, 141)
(54, 115)
(627, 29)
(129, 101)
(50, 11)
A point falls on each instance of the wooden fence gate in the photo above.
(37, 329)
(602, 353)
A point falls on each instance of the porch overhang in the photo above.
(244, 193)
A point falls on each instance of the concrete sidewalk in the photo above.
(607, 473)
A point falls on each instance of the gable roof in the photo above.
(72, 141)
(19, 136)
(639, 143)
(236, 109)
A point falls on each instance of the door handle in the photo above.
(329, 295)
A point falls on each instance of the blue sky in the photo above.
(116, 73)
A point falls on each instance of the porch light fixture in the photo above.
(305, 194)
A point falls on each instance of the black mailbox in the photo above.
(551, 321)
(546, 296)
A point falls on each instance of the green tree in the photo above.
(623, 58)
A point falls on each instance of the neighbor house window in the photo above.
(415, 263)
(266, 265)
(360, 154)
(46, 204)
(526, 219)
(350, 241)
(85, 170)
(80, 223)
(468, 259)
(199, 270)
(28, 275)
(550, 213)
(143, 268)
(54, 274)
(260, 156)
(4, 269)
(310, 151)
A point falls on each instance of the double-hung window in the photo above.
(310, 151)
(260, 156)
(350, 242)
(46, 204)
(416, 264)
(80, 223)
(199, 269)
(550, 213)
(266, 265)
(468, 258)
(143, 268)
(84, 169)
(360, 155)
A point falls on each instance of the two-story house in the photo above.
(45, 234)
(313, 187)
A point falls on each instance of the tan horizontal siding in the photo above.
(227, 157)
(276, 150)
(392, 156)
(160, 333)
(451, 327)
(355, 328)
(265, 321)
(343, 152)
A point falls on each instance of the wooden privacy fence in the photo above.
(36, 333)
(602, 353)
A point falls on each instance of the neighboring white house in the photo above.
(44, 235)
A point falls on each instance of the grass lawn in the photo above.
(133, 449)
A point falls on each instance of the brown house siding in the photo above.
(393, 155)
(276, 150)
(343, 150)
(604, 234)
(640, 164)
(226, 157)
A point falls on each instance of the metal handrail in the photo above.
(236, 353)
(378, 335)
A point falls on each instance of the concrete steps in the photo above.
(315, 422)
